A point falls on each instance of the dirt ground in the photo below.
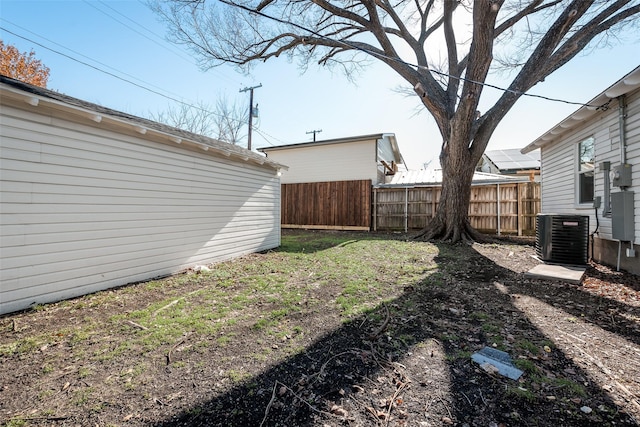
(404, 362)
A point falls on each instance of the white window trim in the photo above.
(577, 173)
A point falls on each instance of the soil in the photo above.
(406, 362)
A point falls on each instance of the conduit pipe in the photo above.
(622, 120)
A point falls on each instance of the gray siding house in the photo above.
(510, 162)
(591, 167)
(93, 198)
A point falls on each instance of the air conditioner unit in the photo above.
(562, 239)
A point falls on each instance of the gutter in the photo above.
(601, 102)
(144, 128)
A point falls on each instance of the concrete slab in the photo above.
(566, 273)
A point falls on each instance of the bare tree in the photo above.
(225, 122)
(230, 120)
(533, 38)
(193, 118)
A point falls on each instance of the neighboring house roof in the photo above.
(376, 136)
(512, 160)
(434, 177)
(625, 85)
(35, 95)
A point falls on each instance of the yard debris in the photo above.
(201, 269)
(176, 345)
(137, 325)
(492, 360)
(174, 302)
(376, 334)
(489, 368)
(339, 410)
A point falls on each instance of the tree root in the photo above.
(437, 230)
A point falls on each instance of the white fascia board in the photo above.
(623, 86)
(144, 132)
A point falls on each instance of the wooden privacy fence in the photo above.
(499, 208)
(338, 205)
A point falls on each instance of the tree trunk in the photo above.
(451, 221)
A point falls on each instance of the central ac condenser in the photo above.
(562, 239)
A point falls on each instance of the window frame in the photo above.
(581, 172)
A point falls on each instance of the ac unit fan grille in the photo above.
(562, 239)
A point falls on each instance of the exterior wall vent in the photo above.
(562, 239)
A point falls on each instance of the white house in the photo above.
(328, 183)
(93, 198)
(366, 157)
(590, 165)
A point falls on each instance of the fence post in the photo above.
(519, 216)
(498, 207)
(375, 209)
(434, 191)
(406, 209)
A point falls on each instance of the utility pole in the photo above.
(314, 133)
(250, 89)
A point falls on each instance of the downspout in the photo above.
(622, 119)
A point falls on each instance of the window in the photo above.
(586, 163)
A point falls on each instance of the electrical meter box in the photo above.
(622, 216)
(621, 175)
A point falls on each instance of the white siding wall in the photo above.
(385, 150)
(330, 162)
(84, 209)
(560, 158)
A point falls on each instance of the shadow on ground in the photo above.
(407, 361)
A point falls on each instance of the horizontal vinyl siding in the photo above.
(331, 162)
(385, 150)
(558, 178)
(85, 209)
(633, 154)
(559, 164)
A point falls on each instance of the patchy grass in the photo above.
(329, 327)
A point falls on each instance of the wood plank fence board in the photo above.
(353, 205)
(412, 208)
(341, 205)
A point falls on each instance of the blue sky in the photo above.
(125, 38)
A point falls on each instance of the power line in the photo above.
(93, 5)
(162, 45)
(80, 54)
(156, 92)
(264, 136)
(96, 68)
(398, 60)
(262, 133)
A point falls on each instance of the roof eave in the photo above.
(375, 136)
(626, 84)
(145, 132)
